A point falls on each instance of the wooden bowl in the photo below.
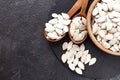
(89, 21)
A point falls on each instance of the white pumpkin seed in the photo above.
(69, 55)
(65, 16)
(75, 36)
(79, 54)
(78, 70)
(88, 58)
(102, 13)
(105, 45)
(76, 19)
(92, 61)
(59, 26)
(110, 6)
(118, 28)
(102, 33)
(116, 47)
(118, 23)
(113, 30)
(65, 28)
(94, 28)
(113, 41)
(53, 21)
(72, 29)
(66, 22)
(103, 26)
(95, 11)
(75, 62)
(85, 52)
(70, 45)
(72, 67)
(65, 45)
(54, 15)
(52, 35)
(118, 38)
(105, 7)
(60, 18)
(115, 14)
(109, 26)
(64, 58)
(116, 35)
(82, 27)
(113, 49)
(81, 65)
(116, 8)
(70, 60)
(83, 58)
(109, 36)
(99, 6)
(49, 27)
(59, 31)
(78, 37)
(76, 47)
(84, 20)
(116, 20)
(101, 19)
(98, 38)
(82, 47)
(72, 51)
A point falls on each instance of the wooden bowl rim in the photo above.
(91, 34)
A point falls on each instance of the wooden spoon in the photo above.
(82, 13)
(71, 12)
(75, 8)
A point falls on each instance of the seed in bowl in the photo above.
(57, 26)
(78, 28)
(76, 57)
(106, 24)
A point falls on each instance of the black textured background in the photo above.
(24, 52)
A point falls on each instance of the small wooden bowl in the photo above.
(89, 21)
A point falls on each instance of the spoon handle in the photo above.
(84, 7)
(75, 8)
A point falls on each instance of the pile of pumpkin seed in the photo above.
(76, 57)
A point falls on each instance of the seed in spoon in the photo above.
(54, 15)
(78, 28)
(65, 16)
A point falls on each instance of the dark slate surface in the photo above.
(105, 65)
(24, 52)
